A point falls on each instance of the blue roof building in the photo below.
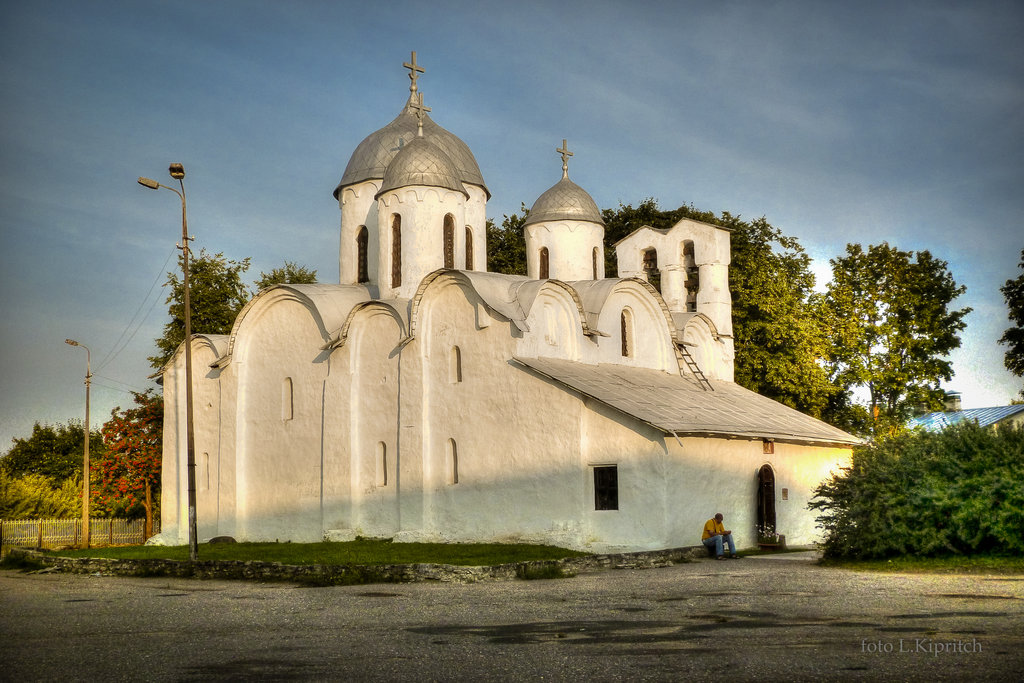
(938, 421)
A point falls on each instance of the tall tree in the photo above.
(1013, 338)
(290, 273)
(127, 477)
(217, 294)
(506, 245)
(890, 327)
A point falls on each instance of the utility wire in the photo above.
(118, 346)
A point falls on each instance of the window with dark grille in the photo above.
(396, 251)
(606, 487)
(449, 241)
(362, 238)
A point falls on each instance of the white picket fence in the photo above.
(58, 533)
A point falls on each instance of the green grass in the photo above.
(366, 552)
(935, 565)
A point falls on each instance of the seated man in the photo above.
(714, 534)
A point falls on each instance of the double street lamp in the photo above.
(177, 172)
(85, 457)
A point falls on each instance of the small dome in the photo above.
(373, 155)
(421, 162)
(565, 201)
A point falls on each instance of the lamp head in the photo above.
(177, 171)
(72, 342)
(151, 184)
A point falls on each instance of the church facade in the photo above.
(423, 398)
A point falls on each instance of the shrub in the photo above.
(928, 494)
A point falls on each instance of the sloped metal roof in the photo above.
(934, 422)
(678, 405)
(421, 162)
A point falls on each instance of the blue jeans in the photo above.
(716, 541)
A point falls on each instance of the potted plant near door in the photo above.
(769, 539)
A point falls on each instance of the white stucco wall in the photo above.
(570, 246)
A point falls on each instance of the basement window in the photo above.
(606, 487)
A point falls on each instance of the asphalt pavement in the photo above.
(758, 618)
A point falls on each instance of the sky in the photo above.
(839, 122)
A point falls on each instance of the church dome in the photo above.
(374, 154)
(421, 162)
(565, 201)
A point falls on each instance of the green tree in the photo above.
(890, 327)
(506, 246)
(290, 273)
(53, 452)
(126, 479)
(1013, 338)
(217, 294)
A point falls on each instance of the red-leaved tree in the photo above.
(126, 478)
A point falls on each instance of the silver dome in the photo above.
(374, 154)
(421, 162)
(565, 201)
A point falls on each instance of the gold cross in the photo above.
(564, 151)
(413, 68)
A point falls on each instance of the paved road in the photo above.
(778, 618)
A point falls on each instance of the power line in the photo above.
(118, 346)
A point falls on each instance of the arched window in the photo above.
(449, 241)
(362, 238)
(469, 248)
(287, 407)
(455, 365)
(544, 274)
(626, 332)
(651, 268)
(382, 464)
(452, 457)
(593, 260)
(396, 250)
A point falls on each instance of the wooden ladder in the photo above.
(694, 368)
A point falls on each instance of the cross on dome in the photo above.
(420, 109)
(564, 151)
(413, 75)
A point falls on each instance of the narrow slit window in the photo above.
(455, 365)
(452, 457)
(626, 332)
(287, 399)
(362, 240)
(469, 248)
(396, 251)
(544, 272)
(449, 241)
(382, 464)
(606, 487)
(593, 259)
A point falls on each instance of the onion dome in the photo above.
(374, 154)
(421, 162)
(565, 201)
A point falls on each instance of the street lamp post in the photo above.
(177, 172)
(85, 456)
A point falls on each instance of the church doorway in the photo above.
(766, 500)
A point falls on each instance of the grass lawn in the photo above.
(365, 552)
(935, 565)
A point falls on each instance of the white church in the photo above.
(423, 398)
